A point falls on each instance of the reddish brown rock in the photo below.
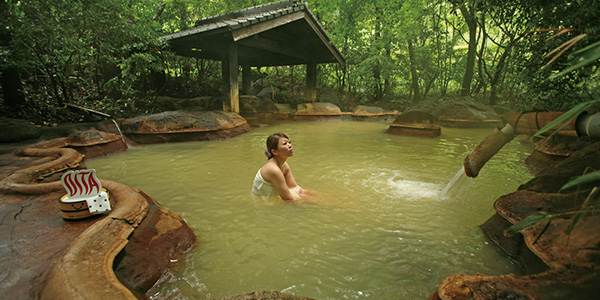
(321, 111)
(93, 143)
(466, 114)
(162, 237)
(415, 123)
(180, 126)
(47, 257)
(550, 151)
(537, 161)
(562, 265)
(372, 113)
(551, 179)
(263, 111)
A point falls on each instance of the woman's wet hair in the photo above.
(273, 143)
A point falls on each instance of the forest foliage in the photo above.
(107, 55)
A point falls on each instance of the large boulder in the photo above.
(285, 108)
(15, 130)
(266, 105)
(549, 151)
(318, 111)
(164, 103)
(415, 123)
(179, 126)
(95, 143)
(260, 111)
(562, 262)
(372, 113)
(162, 237)
(318, 108)
(466, 113)
(367, 110)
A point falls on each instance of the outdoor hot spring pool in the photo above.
(380, 229)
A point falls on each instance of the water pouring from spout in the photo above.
(453, 184)
(477, 158)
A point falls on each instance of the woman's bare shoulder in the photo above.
(270, 169)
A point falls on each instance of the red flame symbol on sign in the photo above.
(81, 183)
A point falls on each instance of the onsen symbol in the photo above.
(81, 183)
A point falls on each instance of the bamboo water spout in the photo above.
(527, 123)
(487, 149)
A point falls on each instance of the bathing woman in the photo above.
(275, 177)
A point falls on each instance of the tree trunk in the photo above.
(12, 87)
(495, 81)
(469, 15)
(413, 72)
(378, 89)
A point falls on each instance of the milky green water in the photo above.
(379, 229)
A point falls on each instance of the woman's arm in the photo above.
(291, 181)
(279, 181)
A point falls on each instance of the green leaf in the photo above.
(581, 180)
(596, 194)
(528, 222)
(585, 56)
(542, 231)
(567, 116)
(577, 219)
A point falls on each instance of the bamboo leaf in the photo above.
(577, 219)
(570, 114)
(567, 45)
(528, 222)
(574, 222)
(584, 57)
(564, 124)
(596, 194)
(587, 48)
(560, 32)
(542, 231)
(581, 180)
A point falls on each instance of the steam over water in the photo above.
(378, 229)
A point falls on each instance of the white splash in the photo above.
(394, 184)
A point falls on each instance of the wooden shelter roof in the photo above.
(274, 34)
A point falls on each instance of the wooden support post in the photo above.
(230, 73)
(246, 79)
(311, 82)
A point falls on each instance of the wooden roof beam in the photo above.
(324, 38)
(272, 46)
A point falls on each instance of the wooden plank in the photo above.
(264, 26)
(273, 46)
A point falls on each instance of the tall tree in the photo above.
(468, 11)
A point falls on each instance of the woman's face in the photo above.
(285, 147)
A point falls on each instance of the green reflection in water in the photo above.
(379, 229)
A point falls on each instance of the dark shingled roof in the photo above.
(274, 34)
